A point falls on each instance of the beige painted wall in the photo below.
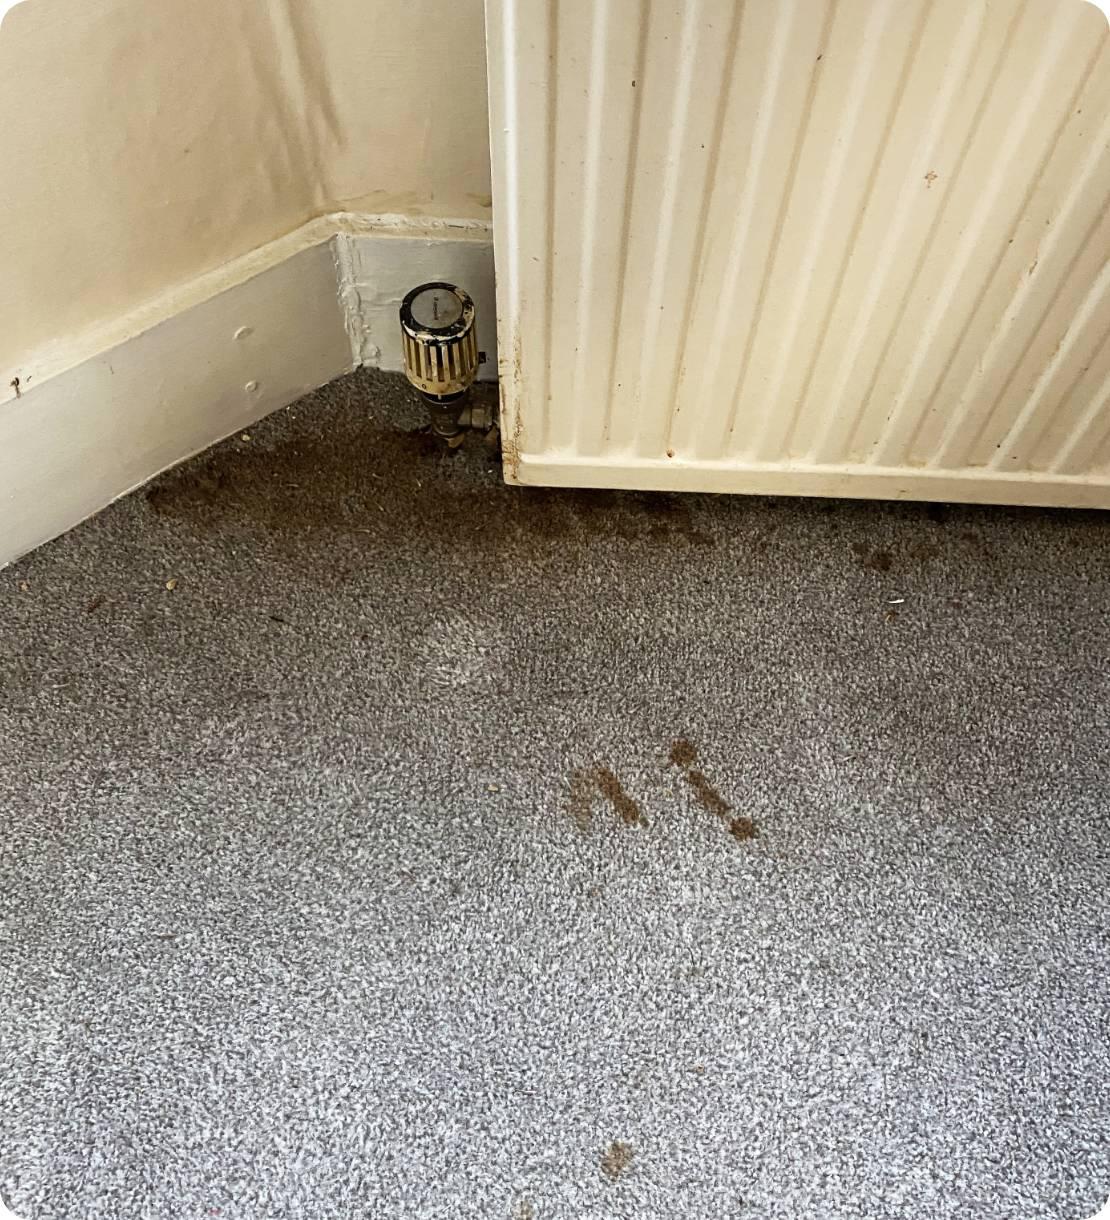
(146, 142)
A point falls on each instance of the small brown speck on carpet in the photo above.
(742, 828)
(616, 1159)
(683, 753)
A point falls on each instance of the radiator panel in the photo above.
(848, 247)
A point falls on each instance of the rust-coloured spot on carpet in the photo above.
(583, 784)
(616, 1159)
(683, 753)
(708, 796)
(620, 800)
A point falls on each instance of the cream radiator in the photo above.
(824, 247)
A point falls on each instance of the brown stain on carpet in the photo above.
(683, 755)
(615, 794)
(585, 782)
(876, 560)
(351, 475)
(596, 514)
(923, 550)
(708, 796)
(742, 829)
(616, 1159)
(670, 517)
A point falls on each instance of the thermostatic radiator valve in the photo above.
(441, 355)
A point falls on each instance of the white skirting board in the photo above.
(91, 421)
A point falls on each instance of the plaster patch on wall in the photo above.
(350, 300)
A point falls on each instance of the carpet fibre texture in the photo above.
(377, 840)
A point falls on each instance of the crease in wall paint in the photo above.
(313, 123)
(291, 74)
(297, 123)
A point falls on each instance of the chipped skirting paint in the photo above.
(95, 418)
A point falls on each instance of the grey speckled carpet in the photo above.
(437, 849)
